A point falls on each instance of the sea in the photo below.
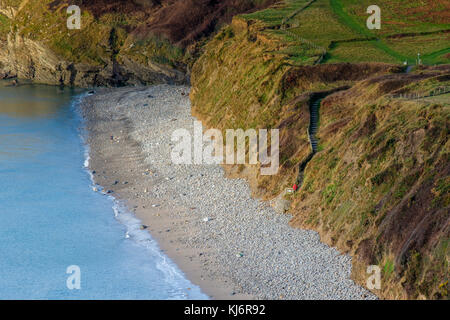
(59, 238)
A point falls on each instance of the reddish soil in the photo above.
(181, 21)
(436, 11)
(329, 73)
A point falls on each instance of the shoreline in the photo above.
(244, 250)
(187, 262)
(132, 223)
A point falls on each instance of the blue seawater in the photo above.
(56, 233)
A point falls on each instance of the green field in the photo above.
(333, 23)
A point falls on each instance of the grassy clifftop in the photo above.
(131, 42)
(339, 27)
(378, 188)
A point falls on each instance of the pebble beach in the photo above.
(232, 245)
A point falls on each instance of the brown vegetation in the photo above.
(180, 21)
(378, 187)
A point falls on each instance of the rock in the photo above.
(143, 227)
(26, 58)
(282, 206)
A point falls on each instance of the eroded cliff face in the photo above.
(24, 58)
(378, 186)
(119, 43)
(30, 58)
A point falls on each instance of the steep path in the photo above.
(229, 243)
(314, 108)
(314, 124)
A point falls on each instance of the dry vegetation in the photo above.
(379, 189)
(379, 186)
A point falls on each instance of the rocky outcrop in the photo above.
(27, 59)
(120, 43)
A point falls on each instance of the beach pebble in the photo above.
(279, 261)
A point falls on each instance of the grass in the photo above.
(400, 16)
(319, 24)
(367, 170)
(90, 44)
(331, 23)
(274, 16)
(348, 20)
(443, 99)
(4, 26)
(358, 52)
(323, 24)
(432, 47)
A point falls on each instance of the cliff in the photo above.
(377, 182)
(119, 43)
(378, 186)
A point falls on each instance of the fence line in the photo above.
(296, 36)
(296, 12)
(436, 92)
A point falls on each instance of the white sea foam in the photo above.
(171, 272)
(134, 232)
